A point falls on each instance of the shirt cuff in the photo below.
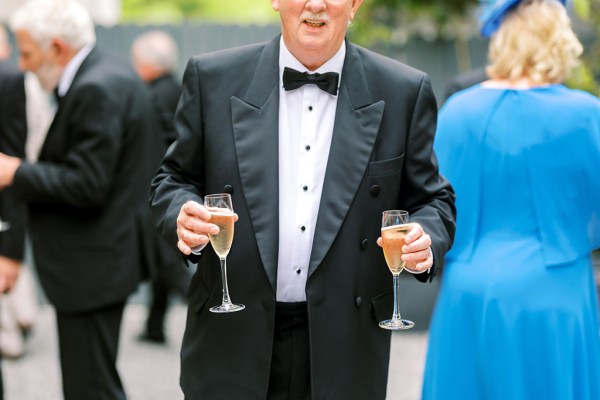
(420, 272)
(416, 272)
(197, 250)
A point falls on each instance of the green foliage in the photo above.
(587, 76)
(393, 20)
(178, 11)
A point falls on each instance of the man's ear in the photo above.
(275, 5)
(355, 5)
(61, 51)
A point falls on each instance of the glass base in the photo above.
(396, 325)
(227, 308)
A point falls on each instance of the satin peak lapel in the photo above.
(356, 125)
(255, 126)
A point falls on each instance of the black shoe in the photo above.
(157, 338)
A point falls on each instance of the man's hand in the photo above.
(9, 271)
(8, 167)
(193, 226)
(417, 250)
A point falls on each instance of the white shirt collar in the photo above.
(66, 79)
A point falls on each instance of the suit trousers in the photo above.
(88, 345)
(172, 278)
(290, 363)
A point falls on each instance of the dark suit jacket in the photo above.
(161, 260)
(13, 133)
(86, 193)
(165, 93)
(381, 158)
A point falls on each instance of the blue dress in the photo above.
(517, 313)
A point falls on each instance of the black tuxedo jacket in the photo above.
(86, 193)
(13, 133)
(381, 158)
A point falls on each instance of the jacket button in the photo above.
(228, 189)
(364, 244)
(358, 302)
(374, 190)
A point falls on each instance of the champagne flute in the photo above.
(222, 215)
(394, 227)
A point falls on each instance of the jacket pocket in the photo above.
(383, 306)
(385, 167)
(198, 296)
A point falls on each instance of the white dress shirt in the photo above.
(306, 118)
(66, 79)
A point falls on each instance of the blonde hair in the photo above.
(536, 41)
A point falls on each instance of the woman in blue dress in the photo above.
(517, 313)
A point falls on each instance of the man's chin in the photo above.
(47, 84)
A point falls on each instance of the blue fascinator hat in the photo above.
(494, 16)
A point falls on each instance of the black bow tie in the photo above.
(293, 79)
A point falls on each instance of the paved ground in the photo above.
(151, 372)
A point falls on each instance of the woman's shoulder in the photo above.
(470, 101)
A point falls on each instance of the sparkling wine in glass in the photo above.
(221, 210)
(394, 227)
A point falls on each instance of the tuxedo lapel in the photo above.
(255, 127)
(356, 125)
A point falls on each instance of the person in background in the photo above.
(18, 308)
(86, 192)
(13, 133)
(311, 161)
(154, 57)
(517, 313)
(465, 80)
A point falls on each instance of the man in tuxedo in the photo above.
(85, 194)
(13, 132)
(311, 162)
(154, 58)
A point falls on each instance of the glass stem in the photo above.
(226, 299)
(396, 317)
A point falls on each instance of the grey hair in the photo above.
(156, 48)
(44, 20)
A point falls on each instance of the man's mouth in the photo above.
(315, 24)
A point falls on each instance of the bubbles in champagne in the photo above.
(221, 242)
(392, 242)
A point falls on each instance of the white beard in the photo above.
(49, 76)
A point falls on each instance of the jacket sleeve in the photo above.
(426, 194)
(13, 133)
